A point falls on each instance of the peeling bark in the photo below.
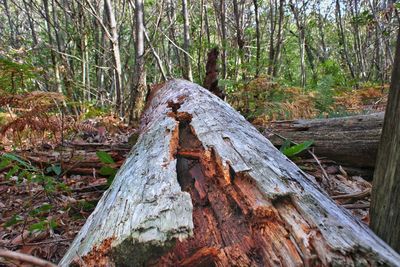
(202, 187)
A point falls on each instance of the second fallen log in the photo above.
(351, 141)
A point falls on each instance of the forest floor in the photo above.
(48, 190)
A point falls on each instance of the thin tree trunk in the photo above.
(187, 71)
(342, 39)
(302, 41)
(51, 43)
(258, 52)
(239, 38)
(139, 85)
(13, 38)
(199, 51)
(172, 35)
(321, 31)
(116, 56)
(207, 23)
(222, 9)
(279, 40)
(28, 10)
(272, 23)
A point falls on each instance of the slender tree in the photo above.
(114, 39)
(138, 92)
(258, 45)
(187, 72)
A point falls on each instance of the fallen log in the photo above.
(203, 187)
(351, 141)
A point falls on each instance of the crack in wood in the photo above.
(227, 221)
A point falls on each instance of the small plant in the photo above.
(291, 150)
(23, 173)
(108, 168)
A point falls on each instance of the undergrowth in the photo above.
(262, 100)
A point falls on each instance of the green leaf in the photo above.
(285, 145)
(14, 220)
(52, 224)
(4, 163)
(56, 169)
(110, 179)
(22, 162)
(40, 226)
(49, 184)
(42, 209)
(296, 149)
(107, 171)
(104, 157)
(63, 187)
(12, 172)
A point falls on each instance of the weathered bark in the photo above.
(203, 187)
(351, 141)
(385, 201)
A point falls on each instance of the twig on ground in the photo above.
(356, 206)
(357, 195)
(21, 257)
(48, 242)
(324, 174)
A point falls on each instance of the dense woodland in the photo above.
(105, 52)
(86, 85)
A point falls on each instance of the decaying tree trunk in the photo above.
(351, 141)
(203, 187)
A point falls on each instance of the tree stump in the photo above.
(202, 187)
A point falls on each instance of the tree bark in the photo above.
(351, 141)
(342, 39)
(13, 37)
(223, 38)
(258, 45)
(116, 56)
(203, 187)
(279, 40)
(187, 72)
(385, 199)
(139, 91)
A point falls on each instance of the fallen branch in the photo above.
(21, 257)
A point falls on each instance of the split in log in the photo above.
(202, 187)
(351, 141)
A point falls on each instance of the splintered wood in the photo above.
(202, 187)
